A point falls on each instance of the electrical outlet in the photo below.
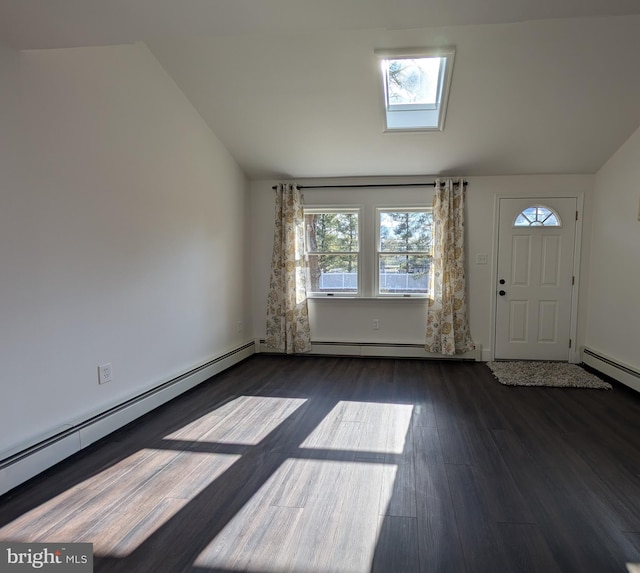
(482, 259)
(105, 373)
(376, 324)
(239, 327)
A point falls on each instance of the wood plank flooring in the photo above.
(346, 465)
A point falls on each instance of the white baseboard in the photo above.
(24, 465)
(38, 460)
(377, 349)
(617, 370)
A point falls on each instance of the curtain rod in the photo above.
(369, 185)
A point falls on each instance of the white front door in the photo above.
(535, 278)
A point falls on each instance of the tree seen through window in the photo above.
(404, 253)
(332, 243)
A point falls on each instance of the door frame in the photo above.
(573, 353)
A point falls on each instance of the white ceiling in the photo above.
(292, 88)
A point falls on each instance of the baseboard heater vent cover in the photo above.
(377, 349)
(616, 370)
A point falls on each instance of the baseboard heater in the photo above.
(377, 349)
(30, 461)
(621, 372)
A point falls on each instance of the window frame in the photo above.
(332, 209)
(417, 117)
(378, 252)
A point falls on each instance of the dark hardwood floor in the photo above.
(317, 465)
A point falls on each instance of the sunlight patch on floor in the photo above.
(40, 522)
(311, 515)
(142, 491)
(363, 427)
(150, 506)
(245, 420)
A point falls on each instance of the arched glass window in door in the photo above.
(538, 216)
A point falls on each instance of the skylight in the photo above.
(416, 88)
(413, 81)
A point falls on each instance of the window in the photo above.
(538, 216)
(393, 261)
(332, 243)
(416, 88)
(403, 251)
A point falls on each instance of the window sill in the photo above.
(413, 298)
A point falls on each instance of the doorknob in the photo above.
(501, 293)
(502, 281)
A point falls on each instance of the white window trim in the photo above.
(446, 52)
(377, 252)
(339, 209)
(368, 265)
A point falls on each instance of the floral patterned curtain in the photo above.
(287, 314)
(447, 323)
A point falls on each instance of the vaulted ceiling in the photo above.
(292, 87)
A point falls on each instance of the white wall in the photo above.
(122, 240)
(403, 321)
(613, 322)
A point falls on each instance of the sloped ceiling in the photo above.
(292, 87)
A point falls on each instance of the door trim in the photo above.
(573, 353)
